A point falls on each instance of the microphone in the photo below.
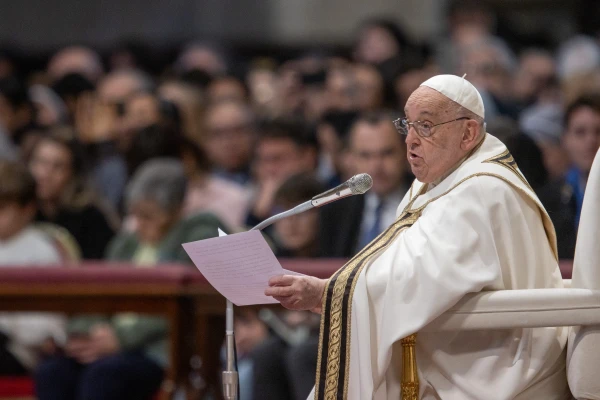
(358, 184)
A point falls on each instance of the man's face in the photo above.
(431, 157)
(377, 149)
(229, 137)
(278, 158)
(582, 138)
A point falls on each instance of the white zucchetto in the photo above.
(459, 90)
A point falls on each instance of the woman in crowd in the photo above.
(155, 198)
(64, 196)
(123, 357)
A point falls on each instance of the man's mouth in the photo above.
(412, 156)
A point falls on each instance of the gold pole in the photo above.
(410, 376)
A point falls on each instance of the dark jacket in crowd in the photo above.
(88, 225)
(340, 227)
(560, 201)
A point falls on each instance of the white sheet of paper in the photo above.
(238, 266)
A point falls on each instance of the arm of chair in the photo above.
(511, 309)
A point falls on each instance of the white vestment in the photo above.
(481, 228)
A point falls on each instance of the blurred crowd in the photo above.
(115, 157)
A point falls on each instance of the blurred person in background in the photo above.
(577, 56)
(529, 158)
(490, 65)
(262, 81)
(319, 89)
(376, 148)
(341, 88)
(381, 42)
(202, 56)
(226, 87)
(189, 102)
(132, 54)
(17, 112)
(250, 332)
(370, 87)
(578, 85)
(408, 80)
(64, 195)
(332, 131)
(113, 92)
(144, 109)
(230, 138)
(155, 198)
(283, 149)
(8, 151)
(75, 60)
(94, 122)
(123, 356)
(535, 72)
(297, 236)
(50, 109)
(9, 65)
(289, 90)
(102, 125)
(468, 21)
(25, 338)
(208, 193)
(563, 198)
(71, 88)
(544, 124)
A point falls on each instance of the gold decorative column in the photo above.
(410, 376)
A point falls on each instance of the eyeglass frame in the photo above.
(400, 127)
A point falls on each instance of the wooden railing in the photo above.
(180, 293)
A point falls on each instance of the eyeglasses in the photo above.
(423, 128)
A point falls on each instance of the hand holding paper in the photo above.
(298, 292)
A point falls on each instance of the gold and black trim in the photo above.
(333, 365)
(547, 222)
(506, 160)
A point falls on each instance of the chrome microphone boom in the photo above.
(358, 184)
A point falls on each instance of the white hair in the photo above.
(160, 180)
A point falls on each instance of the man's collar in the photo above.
(395, 196)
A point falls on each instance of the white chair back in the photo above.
(583, 357)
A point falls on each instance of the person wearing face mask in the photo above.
(470, 222)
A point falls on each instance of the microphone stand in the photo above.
(358, 184)
(230, 376)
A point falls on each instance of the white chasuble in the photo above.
(481, 228)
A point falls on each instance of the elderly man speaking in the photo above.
(469, 223)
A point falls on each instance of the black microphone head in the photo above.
(360, 183)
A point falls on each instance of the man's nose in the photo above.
(412, 138)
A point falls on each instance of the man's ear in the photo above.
(470, 135)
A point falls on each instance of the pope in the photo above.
(469, 223)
